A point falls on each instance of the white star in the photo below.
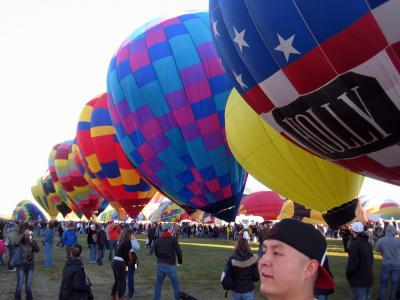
(240, 80)
(286, 47)
(239, 39)
(215, 29)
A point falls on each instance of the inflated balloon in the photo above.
(72, 180)
(377, 207)
(286, 168)
(324, 74)
(266, 204)
(167, 92)
(26, 211)
(293, 210)
(103, 156)
(59, 196)
(40, 195)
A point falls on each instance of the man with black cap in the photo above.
(292, 263)
(359, 272)
(167, 250)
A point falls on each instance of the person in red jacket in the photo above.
(113, 233)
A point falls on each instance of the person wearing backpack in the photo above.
(242, 268)
(74, 284)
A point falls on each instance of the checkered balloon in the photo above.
(40, 192)
(103, 156)
(325, 74)
(26, 211)
(167, 92)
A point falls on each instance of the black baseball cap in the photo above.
(307, 240)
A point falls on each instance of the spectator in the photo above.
(69, 238)
(92, 242)
(243, 269)
(74, 284)
(13, 240)
(167, 249)
(48, 244)
(292, 263)
(113, 233)
(132, 266)
(359, 265)
(101, 244)
(25, 269)
(2, 249)
(389, 247)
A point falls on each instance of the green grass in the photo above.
(203, 261)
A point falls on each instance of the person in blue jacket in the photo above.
(69, 238)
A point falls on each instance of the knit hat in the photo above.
(307, 240)
(357, 227)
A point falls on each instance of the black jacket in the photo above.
(359, 265)
(167, 249)
(101, 238)
(74, 285)
(244, 271)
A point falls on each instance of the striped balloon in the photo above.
(103, 156)
(77, 188)
(26, 211)
(167, 92)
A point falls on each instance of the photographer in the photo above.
(25, 269)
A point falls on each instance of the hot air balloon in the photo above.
(71, 178)
(167, 92)
(39, 193)
(103, 156)
(266, 204)
(296, 211)
(26, 211)
(286, 168)
(377, 208)
(324, 74)
(59, 196)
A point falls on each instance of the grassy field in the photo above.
(203, 261)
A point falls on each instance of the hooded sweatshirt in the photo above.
(389, 247)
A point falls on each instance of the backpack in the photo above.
(226, 278)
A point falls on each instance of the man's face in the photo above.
(282, 269)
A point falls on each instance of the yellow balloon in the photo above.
(41, 198)
(295, 211)
(281, 165)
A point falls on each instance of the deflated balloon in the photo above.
(167, 92)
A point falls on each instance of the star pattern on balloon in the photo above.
(215, 29)
(286, 46)
(239, 39)
(239, 80)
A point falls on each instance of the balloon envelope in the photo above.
(324, 74)
(102, 155)
(26, 211)
(167, 92)
(284, 167)
(41, 196)
(296, 211)
(266, 204)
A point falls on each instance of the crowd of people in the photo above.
(291, 254)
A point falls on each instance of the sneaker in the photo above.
(12, 270)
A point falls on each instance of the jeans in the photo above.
(1, 259)
(112, 245)
(321, 297)
(361, 293)
(47, 254)
(93, 252)
(242, 296)
(131, 281)
(119, 272)
(100, 254)
(170, 271)
(24, 274)
(390, 272)
(10, 254)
